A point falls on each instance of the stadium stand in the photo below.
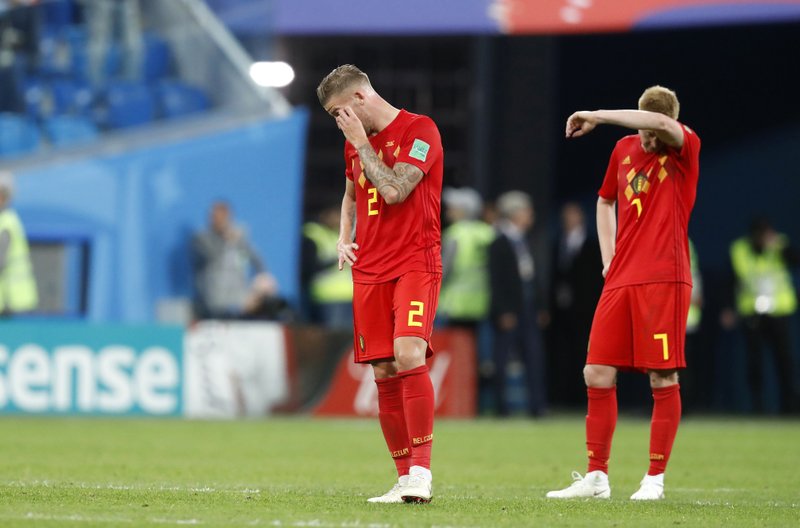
(66, 130)
(58, 101)
(19, 135)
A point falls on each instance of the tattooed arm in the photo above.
(394, 184)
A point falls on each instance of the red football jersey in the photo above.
(396, 239)
(655, 194)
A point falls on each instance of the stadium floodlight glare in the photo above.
(273, 74)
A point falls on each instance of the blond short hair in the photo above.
(661, 100)
(339, 80)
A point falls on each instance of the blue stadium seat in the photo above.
(72, 96)
(178, 99)
(37, 97)
(56, 14)
(156, 57)
(129, 104)
(63, 50)
(18, 135)
(70, 130)
(79, 62)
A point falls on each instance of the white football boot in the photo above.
(651, 488)
(419, 485)
(594, 485)
(393, 496)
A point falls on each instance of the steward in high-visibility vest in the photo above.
(695, 305)
(328, 285)
(764, 284)
(17, 285)
(464, 297)
(465, 291)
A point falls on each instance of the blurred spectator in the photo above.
(17, 284)
(19, 37)
(765, 300)
(694, 380)
(106, 19)
(464, 298)
(513, 302)
(576, 287)
(224, 263)
(328, 292)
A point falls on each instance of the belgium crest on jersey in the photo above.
(639, 183)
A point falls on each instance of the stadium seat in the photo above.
(63, 50)
(178, 99)
(38, 98)
(18, 135)
(69, 130)
(56, 14)
(156, 57)
(79, 61)
(71, 96)
(129, 104)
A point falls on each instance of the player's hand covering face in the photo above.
(352, 127)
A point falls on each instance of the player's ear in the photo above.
(358, 97)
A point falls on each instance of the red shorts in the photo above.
(641, 327)
(402, 307)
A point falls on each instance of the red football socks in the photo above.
(663, 426)
(418, 402)
(393, 422)
(601, 419)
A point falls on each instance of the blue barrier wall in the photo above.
(75, 368)
(138, 210)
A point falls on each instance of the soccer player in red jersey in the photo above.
(393, 168)
(640, 321)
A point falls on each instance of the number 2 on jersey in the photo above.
(373, 199)
(420, 309)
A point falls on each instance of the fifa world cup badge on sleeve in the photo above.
(419, 150)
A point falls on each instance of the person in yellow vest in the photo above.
(464, 297)
(17, 284)
(327, 292)
(765, 300)
(694, 381)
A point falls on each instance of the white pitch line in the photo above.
(313, 523)
(123, 487)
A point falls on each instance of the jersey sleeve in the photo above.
(690, 151)
(609, 188)
(688, 157)
(421, 145)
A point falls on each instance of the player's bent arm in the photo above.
(667, 129)
(348, 213)
(606, 230)
(393, 184)
(345, 246)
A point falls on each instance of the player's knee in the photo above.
(384, 369)
(599, 376)
(662, 378)
(408, 359)
(409, 353)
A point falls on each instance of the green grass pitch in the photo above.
(318, 473)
